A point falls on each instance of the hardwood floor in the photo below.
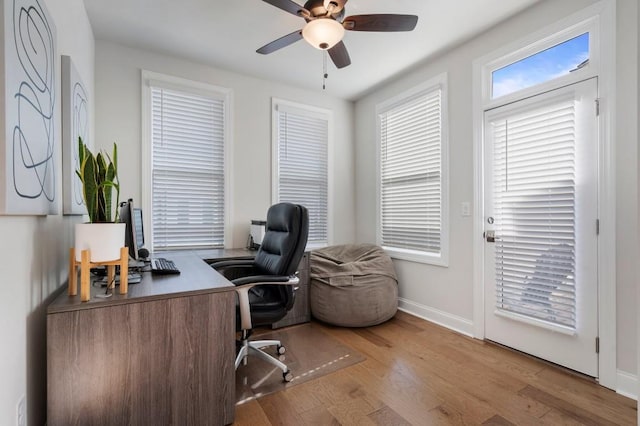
(418, 373)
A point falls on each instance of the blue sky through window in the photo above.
(547, 65)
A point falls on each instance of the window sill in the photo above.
(416, 256)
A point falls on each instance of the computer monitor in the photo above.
(134, 230)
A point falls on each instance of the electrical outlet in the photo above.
(22, 412)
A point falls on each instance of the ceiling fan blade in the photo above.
(339, 55)
(278, 44)
(287, 5)
(381, 22)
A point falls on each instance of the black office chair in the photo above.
(266, 285)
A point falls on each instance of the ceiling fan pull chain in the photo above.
(324, 69)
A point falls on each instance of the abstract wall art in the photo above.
(29, 122)
(75, 124)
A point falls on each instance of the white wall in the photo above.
(626, 182)
(33, 253)
(118, 108)
(447, 293)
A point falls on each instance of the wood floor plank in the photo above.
(556, 418)
(582, 392)
(419, 373)
(387, 416)
(279, 411)
(373, 337)
(568, 409)
(498, 421)
(251, 414)
(443, 415)
(319, 416)
(353, 412)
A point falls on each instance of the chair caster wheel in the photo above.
(281, 350)
(287, 376)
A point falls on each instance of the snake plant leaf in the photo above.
(114, 159)
(108, 187)
(90, 185)
(99, 177)
(81, 153)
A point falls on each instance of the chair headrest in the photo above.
(285, 239)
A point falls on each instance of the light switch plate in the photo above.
(465, 208)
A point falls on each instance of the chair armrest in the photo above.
(242, 289)
(233, 269)
(261, 279)
(230, 263)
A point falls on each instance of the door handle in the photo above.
(491, 236)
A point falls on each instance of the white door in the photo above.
(541, 173)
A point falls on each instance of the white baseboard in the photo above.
(627, 385)
(453, 322)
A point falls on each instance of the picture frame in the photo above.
(75, 124)
(29, 148)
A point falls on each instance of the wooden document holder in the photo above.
(85, 265)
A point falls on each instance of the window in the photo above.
(184, 158)
(413, 223)
(554, 62)
(550, 59)
(301, 168)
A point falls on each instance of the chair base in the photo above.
(254, 347)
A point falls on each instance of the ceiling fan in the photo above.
(326, 25)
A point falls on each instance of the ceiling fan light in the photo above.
(323, 33)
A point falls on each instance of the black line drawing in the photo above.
(75, 124)
(80, 111)
(33, 172)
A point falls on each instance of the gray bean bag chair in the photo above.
(353, 285)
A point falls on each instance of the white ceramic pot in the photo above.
(103, 239)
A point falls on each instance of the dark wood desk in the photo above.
(161, 354)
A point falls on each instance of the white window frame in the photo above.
(599, 19)
(437, 259)
(150, 78)
(313, 111)
(535, 44)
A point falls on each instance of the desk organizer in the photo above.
(86, 264)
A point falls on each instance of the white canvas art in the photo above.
(75, 124)
(28, 149)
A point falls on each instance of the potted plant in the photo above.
(103, 236)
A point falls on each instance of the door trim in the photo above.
(604, 12)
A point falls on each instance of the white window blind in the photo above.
(302, 165)
(187, 135)
(535, 207)
(411, 196)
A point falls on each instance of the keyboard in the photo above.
(163, 266)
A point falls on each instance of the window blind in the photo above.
(411, 173)
(302, 166)
(187, 170)
(535, 210)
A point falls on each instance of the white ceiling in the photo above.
(226, 34)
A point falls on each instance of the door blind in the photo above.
(302, 166)
(187, 170)
(411, 173)
(535, 210)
